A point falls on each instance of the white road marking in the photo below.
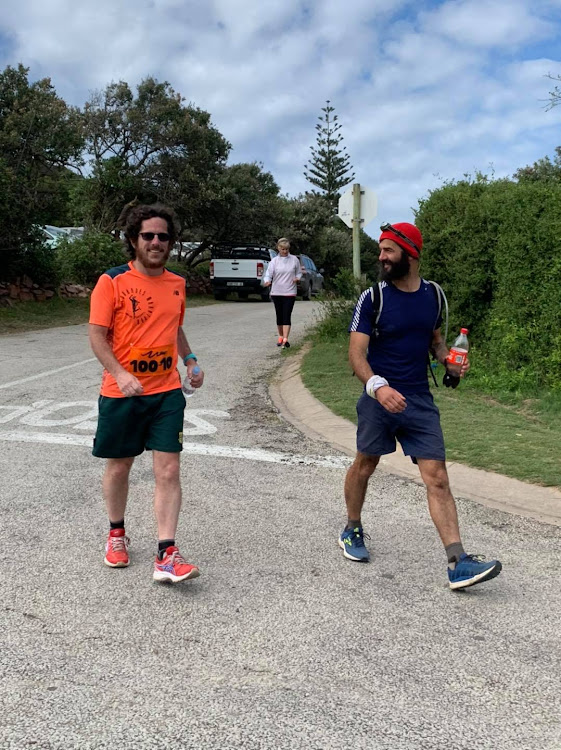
(35, 414)
(37, 418)
(194, 449)
(47, 373)
(17, 411)
(200, 425)
(40, 414)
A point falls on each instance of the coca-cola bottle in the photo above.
(459, 350)
(455, 359)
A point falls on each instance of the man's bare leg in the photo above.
(442, 506)
(351, 540)
(172, 567)
(356, 483)
(462, 571)
(115, 486)
(167, 498)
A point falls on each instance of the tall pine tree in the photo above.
(329, 167)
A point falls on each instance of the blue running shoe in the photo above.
(472, 569)
(351, 542)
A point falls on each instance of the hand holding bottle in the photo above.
(193, 380)
(457, 362)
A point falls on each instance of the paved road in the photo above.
(280, 643)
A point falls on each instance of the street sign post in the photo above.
(357, 207)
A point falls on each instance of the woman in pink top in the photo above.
(282, 275)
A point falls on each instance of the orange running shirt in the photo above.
(143, 314)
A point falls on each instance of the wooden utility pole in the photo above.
(356, 230)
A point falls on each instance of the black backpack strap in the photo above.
(377, 305)
(441, 302)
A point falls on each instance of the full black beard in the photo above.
(398, 270)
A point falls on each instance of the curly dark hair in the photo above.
(132, 216)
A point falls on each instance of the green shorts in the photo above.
(128, 426)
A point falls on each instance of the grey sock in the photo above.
(453, 553)
(352, 524)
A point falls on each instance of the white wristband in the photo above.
(374, 383)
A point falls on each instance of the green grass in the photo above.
(33, 316)
(497, 431)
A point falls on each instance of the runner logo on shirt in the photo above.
(137, 305)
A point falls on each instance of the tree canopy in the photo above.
(41, 139)
(329, 167)
(63, 165)
(149, 146)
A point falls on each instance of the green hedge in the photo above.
(84, 259)
(496, 249)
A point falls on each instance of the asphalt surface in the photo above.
(281, 643)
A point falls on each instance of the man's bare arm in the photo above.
(358, 348)
(128, 384)
(183, 349)
(438, 347)
(392, 400)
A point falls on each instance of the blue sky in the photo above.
(425, 91)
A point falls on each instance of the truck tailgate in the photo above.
(235, 269)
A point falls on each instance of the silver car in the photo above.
(312, 280)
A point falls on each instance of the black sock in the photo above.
(163, 544)
(454, 552)
(352, 524)
(117, 524)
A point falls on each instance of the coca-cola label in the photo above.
(457, 357)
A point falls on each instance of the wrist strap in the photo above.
(187, 357)
(375, 382)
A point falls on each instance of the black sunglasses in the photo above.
(388, 228)
(149, 236)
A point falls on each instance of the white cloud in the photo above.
(422, 95)
(487, 23)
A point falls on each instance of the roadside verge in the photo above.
(297, 405)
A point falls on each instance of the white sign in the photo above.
(368, 206)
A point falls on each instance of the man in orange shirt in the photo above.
(136, 319)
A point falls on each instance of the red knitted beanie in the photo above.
(411, 232)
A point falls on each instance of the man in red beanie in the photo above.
(390, 337)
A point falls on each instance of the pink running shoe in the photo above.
(116, 549)
(173, 568)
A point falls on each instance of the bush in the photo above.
(495, 246)
(39, 263)
(25, 254)
(337, 307)
(83, 260)
(335, 317)
(459, 230)
(346, 286)
(179, 268)
(202, 269)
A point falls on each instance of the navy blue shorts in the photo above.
(417, 428)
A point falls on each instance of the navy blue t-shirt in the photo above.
(405, 330)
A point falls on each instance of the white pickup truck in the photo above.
(240, 269)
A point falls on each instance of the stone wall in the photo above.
(197, 284)
(25, 290)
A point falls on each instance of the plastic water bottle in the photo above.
(186, 387)
(459, 350)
